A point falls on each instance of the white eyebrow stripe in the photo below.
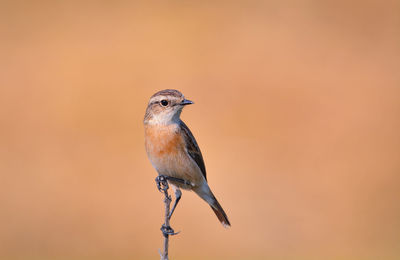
(158, 98)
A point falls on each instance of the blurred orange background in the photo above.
(297, 114)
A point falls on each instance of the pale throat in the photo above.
(173, 117)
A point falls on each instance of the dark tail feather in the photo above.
(221, 215)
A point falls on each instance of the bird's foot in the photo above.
(162, 183)
(168, 231)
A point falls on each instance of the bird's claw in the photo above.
(162, 183)
(168, 231)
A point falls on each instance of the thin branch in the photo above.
(162, 185)
(167, 202)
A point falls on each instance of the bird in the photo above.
(174, 152)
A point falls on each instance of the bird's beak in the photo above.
(186, 102)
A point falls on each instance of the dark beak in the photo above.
(186, 102)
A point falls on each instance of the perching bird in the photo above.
(173, 150)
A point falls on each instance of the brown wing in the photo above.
(193, 149)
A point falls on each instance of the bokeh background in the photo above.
(297, 114)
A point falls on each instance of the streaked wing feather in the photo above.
(193, 149)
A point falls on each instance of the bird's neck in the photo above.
(163, 119)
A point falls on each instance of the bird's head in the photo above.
(165, 107)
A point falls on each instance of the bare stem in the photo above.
(162, 185)
(167, 202)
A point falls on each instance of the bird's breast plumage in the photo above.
(166, 149)
(162, 140)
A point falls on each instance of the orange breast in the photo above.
(166, 150)
(162, 140)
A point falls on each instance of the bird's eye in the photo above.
(164, 103)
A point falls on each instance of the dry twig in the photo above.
(162, 185)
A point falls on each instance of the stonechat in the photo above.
(173, 150)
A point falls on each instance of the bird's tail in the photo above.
(205, 193)
(221, 215)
